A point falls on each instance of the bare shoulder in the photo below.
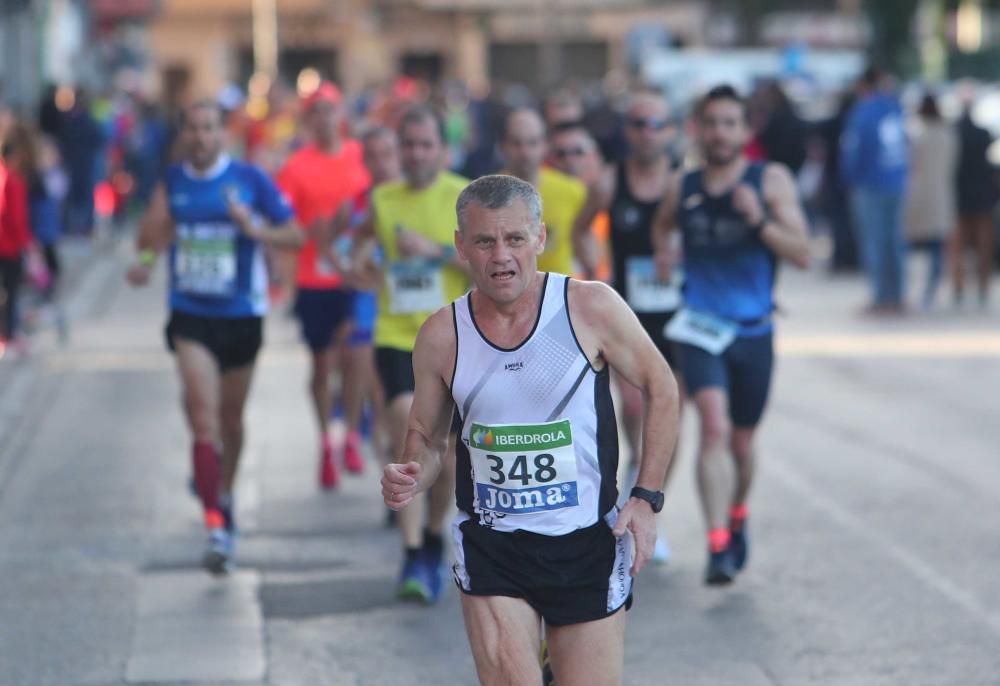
(676, 177)
(673, 189)
(439, 329)
(592, 303)
(777, 180)
(436, 342)
(606, 183)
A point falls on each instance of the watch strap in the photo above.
(654, 498)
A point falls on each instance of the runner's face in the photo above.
(523, 145)
(648, 129)
(722, 132)
(422, 152)
(573, 153)
(382, 159)
(325, 119)
(204, 136)
(502, 247)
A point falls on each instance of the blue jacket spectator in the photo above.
(874, 163)
(874, 152)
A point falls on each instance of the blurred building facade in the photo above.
(19, 43)
(358, 42)
(80, 43)
(198, 46)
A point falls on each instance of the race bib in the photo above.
(711, 334)
(205, 262)
(646, 293)
(415, 286)
(524, 468)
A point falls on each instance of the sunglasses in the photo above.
(563, 153)
(651, 123)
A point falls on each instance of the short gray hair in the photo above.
(496, 191)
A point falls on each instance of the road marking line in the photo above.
(917, 567)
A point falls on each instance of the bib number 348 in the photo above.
(524, 469)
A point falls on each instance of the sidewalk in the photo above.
(88, 279)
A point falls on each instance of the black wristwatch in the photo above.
(654, 498)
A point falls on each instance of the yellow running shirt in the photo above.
(562, 199)
(414, 288)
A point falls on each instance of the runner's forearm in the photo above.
(156, 228)
(789, 243)
(427, 453)
(288, 235)
(659, 433)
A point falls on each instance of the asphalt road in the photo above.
(876, 523)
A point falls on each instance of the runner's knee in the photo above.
(742, 443)
(716, 430)
(202, 415)
(319, 379)
(505, 661)
(232, 424)
(204, 425)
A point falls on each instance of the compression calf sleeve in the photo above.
(205, 458)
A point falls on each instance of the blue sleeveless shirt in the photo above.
(729, 271)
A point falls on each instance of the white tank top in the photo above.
(538, 447)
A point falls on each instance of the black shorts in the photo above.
(321, 312)
(580, 577)
(654, 323)
(233, 342)
(395, 371)
(743, 370)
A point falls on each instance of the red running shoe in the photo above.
(354, 462)
(328, 476)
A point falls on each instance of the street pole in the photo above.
(265, 37)
(933, 49)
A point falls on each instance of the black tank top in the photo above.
(631, 220)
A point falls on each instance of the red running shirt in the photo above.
(317, 184)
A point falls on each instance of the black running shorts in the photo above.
(579, 577)
(233, 342)
(395, 371)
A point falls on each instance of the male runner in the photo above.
(524, 148)
(413, 221)
(361, 383)
(214, 215)
(630, 193)
(318, 179)
(736, 220)
(525, 357)
(573, 151)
